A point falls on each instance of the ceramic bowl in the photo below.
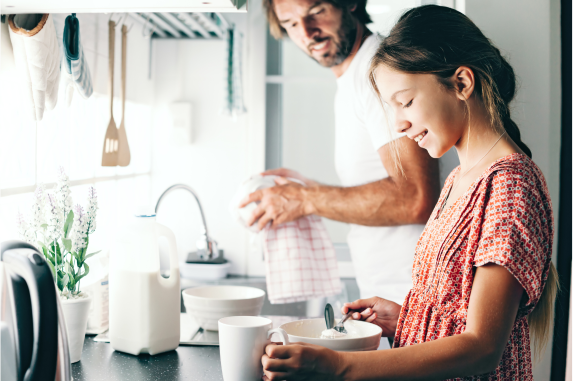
(207, 304)
(365, 336)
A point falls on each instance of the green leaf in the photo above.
(58, 252)
(92, 254)
(86, 272)
(43, 226)
(53, 270)
(62, 282)
(68, 224)
(69, 268)
(67, 244)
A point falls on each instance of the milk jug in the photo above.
(144, 307)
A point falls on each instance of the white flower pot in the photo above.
(76, 317)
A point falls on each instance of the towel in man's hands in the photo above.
(300, 261)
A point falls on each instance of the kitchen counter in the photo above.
(198, 363)
(100, 362)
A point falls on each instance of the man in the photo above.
(386, 207)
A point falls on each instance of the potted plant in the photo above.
(61, 232)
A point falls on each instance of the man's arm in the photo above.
(399, 199)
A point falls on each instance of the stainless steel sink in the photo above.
(311, 308)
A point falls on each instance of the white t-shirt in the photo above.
(382, 256)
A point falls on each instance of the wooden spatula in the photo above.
(124, 156)
(111, 141)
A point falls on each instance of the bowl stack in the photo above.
(207, 304)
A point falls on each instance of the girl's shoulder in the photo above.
(514, 173)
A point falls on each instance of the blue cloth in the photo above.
(75, 67)
(233, 105)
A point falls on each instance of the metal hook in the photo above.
(129, 28)
(152, 29)
(118, 23)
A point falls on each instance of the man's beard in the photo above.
(344, 45)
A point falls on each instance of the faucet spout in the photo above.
(205, 246)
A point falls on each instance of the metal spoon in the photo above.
(340, 326)
(329, 316)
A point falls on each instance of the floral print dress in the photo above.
(505, 218)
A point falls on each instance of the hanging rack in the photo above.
(118, 22)
(181, 25)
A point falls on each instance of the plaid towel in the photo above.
(300, 261)
(75, 70)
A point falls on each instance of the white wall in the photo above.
(217, 161)
(527, 32)
(30, 152)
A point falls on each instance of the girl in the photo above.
(482, 274)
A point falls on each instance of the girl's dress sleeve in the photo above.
(517, 229)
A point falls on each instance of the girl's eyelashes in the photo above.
(408, 104)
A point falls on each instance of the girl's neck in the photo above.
(477, 138)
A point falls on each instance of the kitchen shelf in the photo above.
(117, 6)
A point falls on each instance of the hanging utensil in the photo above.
(111, 141)
(124, 156)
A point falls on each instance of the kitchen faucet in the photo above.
(206, 247)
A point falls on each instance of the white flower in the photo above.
(92, 210)
(79, 229)
(26, 234)
(38, 217)
(63, 193)
(55, 219)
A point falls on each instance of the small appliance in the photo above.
(34, 336)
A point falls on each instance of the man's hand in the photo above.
(284, 203)
(301, 361)
(381, 312)
(285, 172)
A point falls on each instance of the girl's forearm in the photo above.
(450, 357)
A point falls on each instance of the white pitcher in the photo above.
(144, 307)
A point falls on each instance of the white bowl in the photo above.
(365, 336)
(207, 304)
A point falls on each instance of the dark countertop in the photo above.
(100, 362)
(198, 363)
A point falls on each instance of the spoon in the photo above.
(340, 326)
(329, 316)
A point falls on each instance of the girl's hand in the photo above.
(301, 361)
(381, 312)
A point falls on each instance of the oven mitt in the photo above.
(75, 70)
(37, 59)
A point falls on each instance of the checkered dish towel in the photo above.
(300, 261)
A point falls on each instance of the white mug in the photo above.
(242, 342)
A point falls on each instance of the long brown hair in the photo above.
(438, 40)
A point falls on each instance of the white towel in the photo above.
(37, 59)
(300, 261)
